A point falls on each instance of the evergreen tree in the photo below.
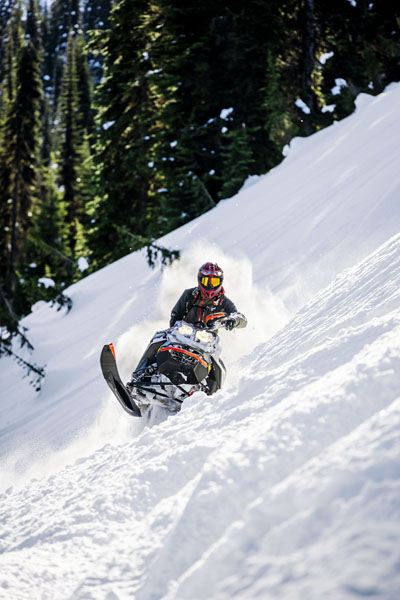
(70, 138)
(84, 85)
(64, 17)
(6, 9)
(48, 54)
(20, 158)
(7, 88)
(71, 15)
(47, 256)
(278, 106)
(364, 38)
(95, 19)
(214, 59)
(12, 41)
(238, 161)
(127, 118)
(74, 153)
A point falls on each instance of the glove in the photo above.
(230, 323)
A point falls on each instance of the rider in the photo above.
(207, 302)
(202, 306)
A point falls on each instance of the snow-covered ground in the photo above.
(284, 485)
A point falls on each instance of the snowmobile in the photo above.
(178, 361)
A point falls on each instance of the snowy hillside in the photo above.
(283, 485)
(264, 491)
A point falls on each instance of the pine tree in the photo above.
(23, 131)
(237, 163)
(48, 54)
(20, 158)
(11, 44)
(6, 10)
(365, 40)
(65, 17)
(8, 91)
(71, 136)
(47, 256)
(85, 88)
(127, 118)
(213, 59)
(74, 157)
(278, 106)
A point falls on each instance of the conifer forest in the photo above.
(121, 120)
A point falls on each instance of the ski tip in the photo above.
(111, 346)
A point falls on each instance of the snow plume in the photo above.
(266, 314)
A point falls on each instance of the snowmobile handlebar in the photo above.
(217, 323)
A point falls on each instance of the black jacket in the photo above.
(192, 308)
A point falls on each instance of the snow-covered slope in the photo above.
(284, 484)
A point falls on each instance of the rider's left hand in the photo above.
(230, 324)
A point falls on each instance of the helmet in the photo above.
(210, 278)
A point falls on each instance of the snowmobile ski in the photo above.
(110, 372)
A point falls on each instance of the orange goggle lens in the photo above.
(211, 281)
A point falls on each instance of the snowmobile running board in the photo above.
(110, 373)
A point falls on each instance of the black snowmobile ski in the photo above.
(110, 372)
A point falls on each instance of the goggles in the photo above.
(211, 282)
